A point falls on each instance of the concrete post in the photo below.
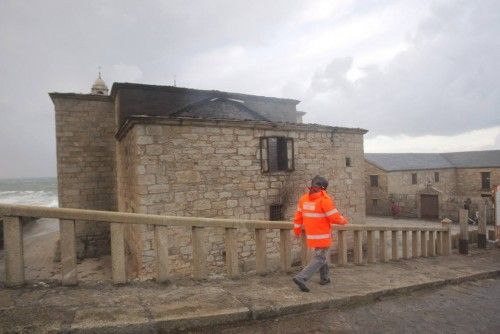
(406, 245)
(415, 242)
(304, 251)
(261, 251)
(358, 247)
(118, 253)
(285, 251)
(161, 243)
(432, 243)
(370, 243)
(68, 252)
(14, 257)
(439, 243)
(481, 229)
(463, 242)
(423, 243)
(394, 245)
(199, 253)
(446, 223)
(342, 257)
(382, 246)
(231, 252)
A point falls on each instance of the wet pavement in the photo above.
(472, 307)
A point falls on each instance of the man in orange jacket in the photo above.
(316, 212)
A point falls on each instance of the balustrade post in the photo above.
(394, 245)
(231, 252)
(382, 246)
(370, 244)
(342, 256)
(439, 243)
(481, 229)
(446, 223)
(68, 252)
(304, 251)
(261, 251)
(200, 271)
(406, 244)
(415, 243)
(423, 243)
(463, 242)
(13, 250)
(285, 250)
(358, 247)
(118, 253)
(161, 245)
(432, 243)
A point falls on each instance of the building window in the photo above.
(413, 178)
(276, 154)
(374, 202)
(347, 161)
(374, 180)
(485, 180)
(276, 212)
(436, 177)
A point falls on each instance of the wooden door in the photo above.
(429, 207)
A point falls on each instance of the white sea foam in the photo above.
(41, 198)
(40, 192)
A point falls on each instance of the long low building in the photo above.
(431, 185)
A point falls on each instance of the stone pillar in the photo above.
(14, 258)
(481, 229)
(463, 242)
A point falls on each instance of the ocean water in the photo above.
(30, 191)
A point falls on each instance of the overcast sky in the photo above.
(422, 76)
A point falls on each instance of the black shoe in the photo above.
(324, 281)
(302, 285)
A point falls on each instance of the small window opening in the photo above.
(436, 177)
(347, 161)
(374, 202)
(374, 180)
(485, 180)
(413, 178)
(276, 212)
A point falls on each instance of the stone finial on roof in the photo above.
(99, 87)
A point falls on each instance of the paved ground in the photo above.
(471, 307)
(154, 308)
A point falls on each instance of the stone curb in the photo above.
(248, 312)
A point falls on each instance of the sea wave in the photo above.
(29, 197)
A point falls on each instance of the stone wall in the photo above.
(379, 193)
(213, 169)
(85, 128)
(454, 187)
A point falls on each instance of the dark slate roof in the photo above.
(417, 161)
(219, 108)
(474, 159)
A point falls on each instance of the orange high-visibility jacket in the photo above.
(316, 212)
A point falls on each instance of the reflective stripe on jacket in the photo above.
(316, 212)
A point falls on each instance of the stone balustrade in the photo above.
(426, 241)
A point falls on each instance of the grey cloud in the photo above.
(445, 83)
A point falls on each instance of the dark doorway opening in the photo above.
(429, 206)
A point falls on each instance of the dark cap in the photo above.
(319, 181)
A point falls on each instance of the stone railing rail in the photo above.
(426, 241)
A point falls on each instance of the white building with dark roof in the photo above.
(431, 185)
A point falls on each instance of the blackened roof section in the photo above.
(138, 99)
(219, 108)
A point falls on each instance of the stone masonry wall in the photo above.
(86, 175)
(407, 195)
(379, 193)
(209, 169)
